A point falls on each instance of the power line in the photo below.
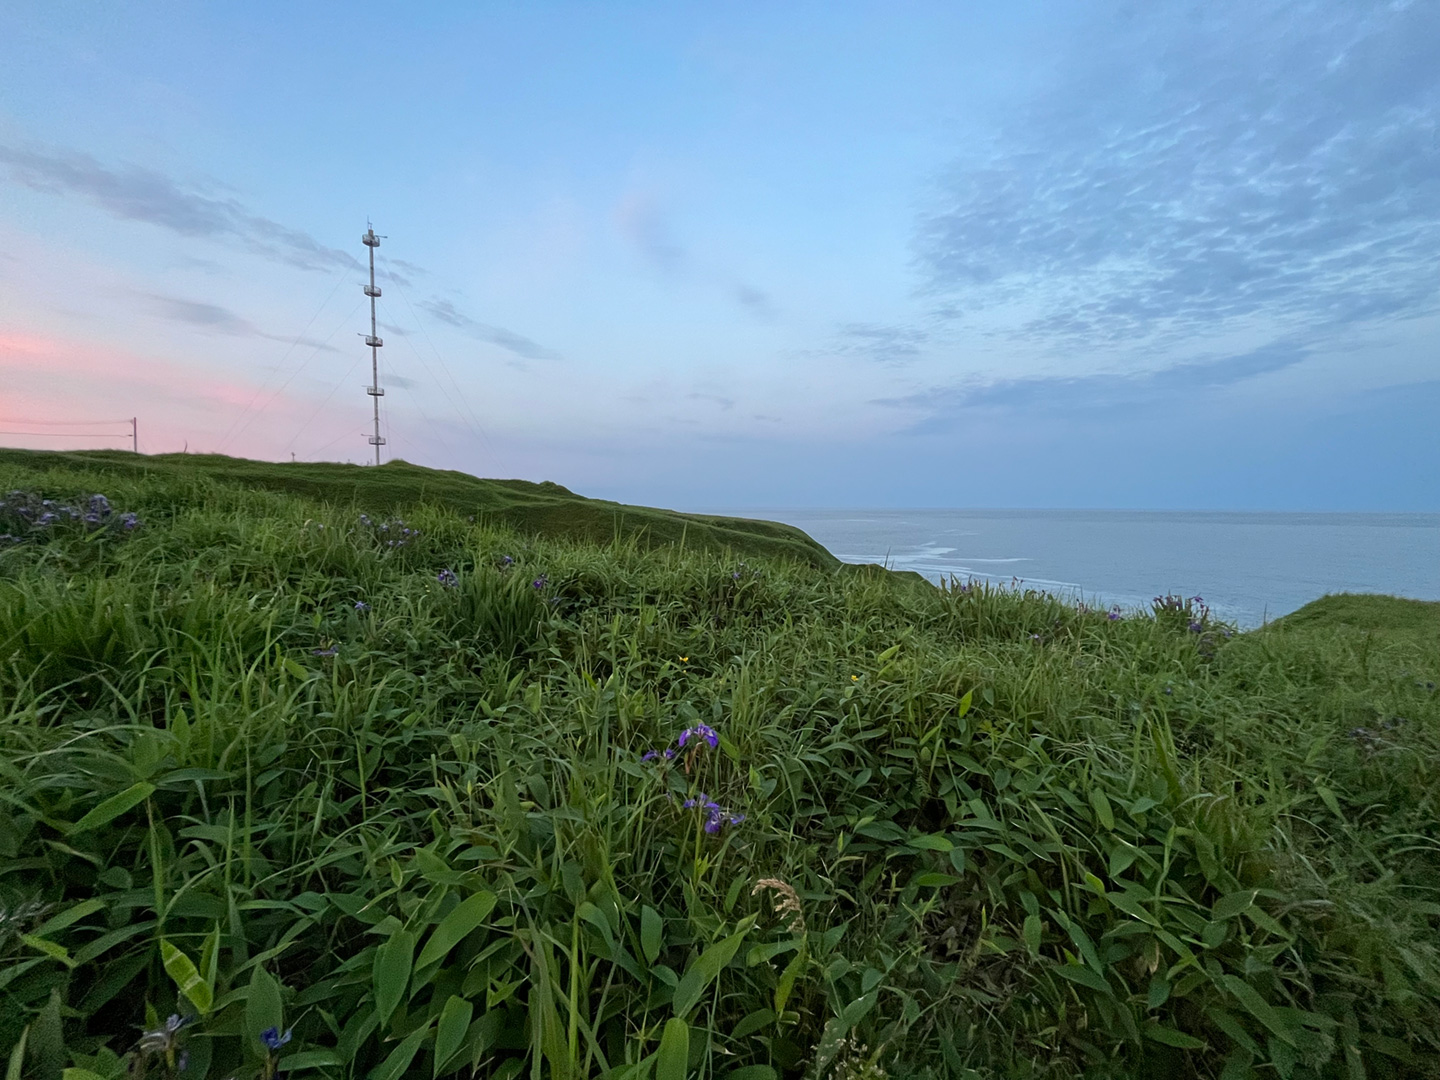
(261, 388)
(471, 419)
(64, 423)
(71, 434)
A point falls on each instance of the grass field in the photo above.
(353, 786)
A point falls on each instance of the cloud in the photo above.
(401, 382)
(521, 346)
(134, 193)
(755, 301)
(645, 225)
(882, 344)
(717, 399)
(943, 407)
(220, 320)
(1243, 159)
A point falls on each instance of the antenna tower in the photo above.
(375, 390)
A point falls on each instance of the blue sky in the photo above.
(1089, 254)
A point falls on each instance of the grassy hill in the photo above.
(541, 509)
(433, 797)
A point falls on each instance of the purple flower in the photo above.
(718, 818)
(1197, 599)
(128, 520)
(699, 731)
(649, 755)
(1195, 627)
(540, 582)
(361, 606)
(669, 753)
(333, 650)
(447, 578)
(735, 576)
(273, 1040)
(1113, 614)
(506, 560)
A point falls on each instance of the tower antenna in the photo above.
(375, 390)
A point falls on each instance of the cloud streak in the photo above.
(943, 408)
(134, 193)
(508, 340)
(1273, 159)
(220, 320)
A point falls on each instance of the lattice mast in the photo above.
(375, 390)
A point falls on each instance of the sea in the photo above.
(1248, 567)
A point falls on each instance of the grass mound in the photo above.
(351, 794)
(539, 509)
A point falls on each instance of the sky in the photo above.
(1091, 254)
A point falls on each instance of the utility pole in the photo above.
(135, 434)
(375, 391)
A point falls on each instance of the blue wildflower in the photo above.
(361, 606)
(649, 755)
(447, 578)
(540, 582)
(273, 1040)
(333, 650)
(1113, 614)
(699, 731)
(1195, 627)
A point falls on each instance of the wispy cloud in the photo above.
(756, 301)
(135, 193)
(508, 340)
(644, 223)
(219, 320)
(1231, 160)
(942, 408)
(882, 344)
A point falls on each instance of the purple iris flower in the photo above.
(1113, 614)
(447, 578)
(506, 560)
(361, 606)
(700, 731)
(1195, 628)
(333, 650)
(669, 753)
(540, 582)
(649, 755)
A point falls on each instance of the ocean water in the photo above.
(1249, 567)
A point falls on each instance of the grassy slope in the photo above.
(1027, 840)
(545, 509)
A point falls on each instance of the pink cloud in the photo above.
(50, 380)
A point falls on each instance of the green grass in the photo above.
(1024, 840)
(537, 509)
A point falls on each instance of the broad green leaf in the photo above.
(932, 879)
(927, 842)
(964, 707)
(1328, 798)
(1227, 907)
(652, 929)
(113, 807)
(187, 977)
(702, 973)
(1103, 813)
(1258, 1007)
(673, 1058)
(391, 972)
(760, 953)
(68, 916)
(450, 1034)
(454, 927)
(309, 1059)
(262, 1007)
(394, 1066)
(1170, 1037)
(787, 979)
(52, 949)
(1159, 991)
(17, 1057)
(1078, 973)
(1031, 934)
